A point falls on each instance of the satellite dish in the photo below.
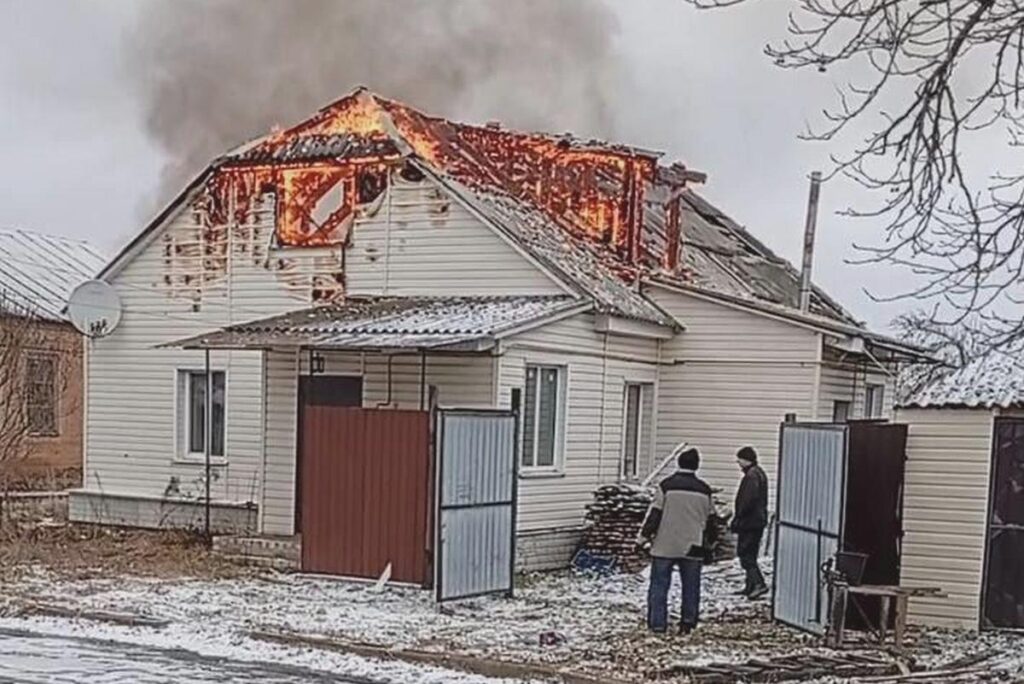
(94, 308)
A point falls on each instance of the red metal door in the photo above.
(365, 488)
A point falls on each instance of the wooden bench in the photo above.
(890, 597)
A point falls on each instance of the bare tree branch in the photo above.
(938, 76)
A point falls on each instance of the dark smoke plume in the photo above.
(215, 73)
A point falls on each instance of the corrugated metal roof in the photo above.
(720, 255)
(391, 323)
(38, 272)
(994, 380)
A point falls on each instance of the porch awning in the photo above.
(393, 323)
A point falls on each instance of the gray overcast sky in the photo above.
(77, 160)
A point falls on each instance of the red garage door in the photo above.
(365, 492)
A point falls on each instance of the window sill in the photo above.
(530, 474)
(199, 461)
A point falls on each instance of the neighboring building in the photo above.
(964, 498)
(583, 280)
(41, 353)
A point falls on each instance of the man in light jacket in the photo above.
(749, 521)
(678, 526)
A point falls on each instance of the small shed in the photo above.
(964, 498)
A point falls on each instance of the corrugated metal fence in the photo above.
(365, 489)
(811, 483)
(477, 503)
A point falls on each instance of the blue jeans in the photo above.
(661, 582)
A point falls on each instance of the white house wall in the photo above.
(848, 382)
(735, 376)
(435, 246)
(945, 511)
(598, 368)
(188, 279)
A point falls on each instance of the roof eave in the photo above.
(812, 321)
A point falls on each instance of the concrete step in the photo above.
(280, 564)
(286, 549)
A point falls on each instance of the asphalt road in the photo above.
(28, 658)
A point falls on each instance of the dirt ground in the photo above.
(585, 624)
(70, 551)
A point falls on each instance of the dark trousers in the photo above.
(661, 582)
(748, 544)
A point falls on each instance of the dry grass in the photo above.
(87, 551)
(26, 479)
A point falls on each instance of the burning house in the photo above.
(374, 262)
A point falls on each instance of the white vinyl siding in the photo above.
(594, 412)
(847, 382)
(435, 246)
(417, 244)
(734, 377)
(945, 509)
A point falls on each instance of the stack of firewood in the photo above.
(614, 519)
(613, 522)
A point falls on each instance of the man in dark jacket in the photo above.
(678, 526)
(750, 519)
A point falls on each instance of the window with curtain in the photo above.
(195, 412)
(636, 428)
(543, 416)
(874, 401)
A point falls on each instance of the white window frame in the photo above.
(874, 400)
(561, 413)
(183, 415)
(642, 387)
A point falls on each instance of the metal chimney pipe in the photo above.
(808, 261)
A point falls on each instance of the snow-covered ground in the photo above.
(581, 623)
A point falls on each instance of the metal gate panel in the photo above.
(810, 502)
(365, 491)
(477, 482)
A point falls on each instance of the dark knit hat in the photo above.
(689, 459)
(747, 454)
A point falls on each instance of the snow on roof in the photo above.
(390, 323)
(994, 380)
(38, 272)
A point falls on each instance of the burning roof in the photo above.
(591, 189)
(601, 215)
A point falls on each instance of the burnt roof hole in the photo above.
(411, 173)
(370, 185)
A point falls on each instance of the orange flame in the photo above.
(593, 190)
